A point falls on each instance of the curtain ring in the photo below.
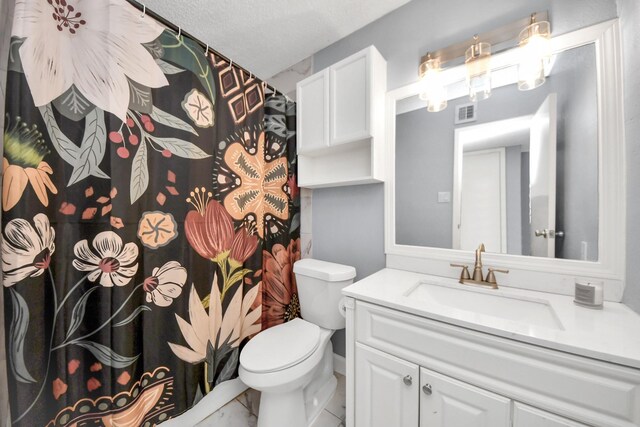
(206, 50)
(250, 75)
(179, 33)
(144, 11)
(230, 64)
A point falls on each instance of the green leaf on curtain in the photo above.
(17, 334)
(174, 122)
(168, 68)
(140, 98)
(188, 54)
(73, 105)
(78, 312)
(132, 316)
(67, 150)
(229, 368)
(139, 173)
(106, 355)
(15, 63)
(199, 395)
(180, 147)
(154, 48)
(295, 223)
(92, 149)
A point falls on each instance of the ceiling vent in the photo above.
(466, 113)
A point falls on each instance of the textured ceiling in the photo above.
(267, 36)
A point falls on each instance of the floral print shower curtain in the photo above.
(150, 216)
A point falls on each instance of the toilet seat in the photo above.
(280, 347)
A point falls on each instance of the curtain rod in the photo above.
(144, 9)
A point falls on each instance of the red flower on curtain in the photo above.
(280, 297)
(210, 232)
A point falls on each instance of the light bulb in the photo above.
(535, 51)
(478, 63)
(433, 90)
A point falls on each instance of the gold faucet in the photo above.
(477, 278)
(477, 267)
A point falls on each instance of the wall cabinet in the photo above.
(406, 370)
(340, 122)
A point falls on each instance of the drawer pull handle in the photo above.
(407, 380)
(427, 389)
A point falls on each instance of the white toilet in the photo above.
(292, 364)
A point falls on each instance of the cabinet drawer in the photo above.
(580, 388)
(526, 416)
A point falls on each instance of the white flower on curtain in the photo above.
(165, 283)
(113, 263)
(216, 328)
(95, 45)
(26, 251)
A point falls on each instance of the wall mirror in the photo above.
(537, 176)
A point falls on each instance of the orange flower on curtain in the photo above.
(22, 164)
(261, 190)
(280, 296)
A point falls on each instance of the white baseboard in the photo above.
(339, 364)
(224, 393)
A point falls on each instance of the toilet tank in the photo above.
(320, 286)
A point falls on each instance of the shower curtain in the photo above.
(150, 216)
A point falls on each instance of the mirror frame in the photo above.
(536, 273)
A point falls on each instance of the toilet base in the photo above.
(300, 407)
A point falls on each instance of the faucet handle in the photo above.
(464, 274)
(491, 277)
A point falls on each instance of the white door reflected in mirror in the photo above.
(542, 177)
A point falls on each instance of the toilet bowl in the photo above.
(292, 364)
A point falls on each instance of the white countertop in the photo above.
(611, 334)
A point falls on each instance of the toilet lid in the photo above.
(280, 347)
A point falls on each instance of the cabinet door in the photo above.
(526, 416)
(350, 103)
(445, 402)
(386, 390)
(312, 96)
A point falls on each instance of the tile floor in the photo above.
(243, 410)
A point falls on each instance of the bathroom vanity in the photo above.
(426, 351)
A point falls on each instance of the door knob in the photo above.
(408, 380)
(542, 233)
(427, 389)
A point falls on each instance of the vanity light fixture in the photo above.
(535, 51)
(433, 90)
(478, 63)
(534, 48)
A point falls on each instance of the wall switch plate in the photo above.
(444, 197)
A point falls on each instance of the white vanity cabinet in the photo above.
(408, 370)
(445, 402)
(340, 122)
(387, 390)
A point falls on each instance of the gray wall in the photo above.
(630, 19)
(402, 37)
(347, 229)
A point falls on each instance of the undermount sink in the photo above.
(488, 302)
